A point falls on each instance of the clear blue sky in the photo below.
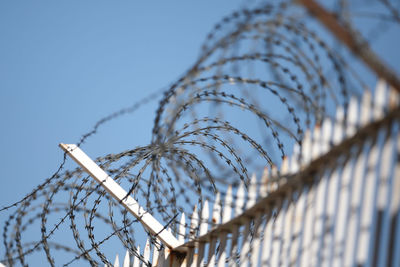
(64, 65)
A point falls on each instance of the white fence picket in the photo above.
(306, 148)
(295, 163)
(235, 229)
(200, 254)
(366, 108)
(319, 220)
(265, 256)
(285, 166)
(367, 208)
(182, 229)
(227, 209)
(340, 224)
(338, 126)
(355, 208)
(205, 213)
(383, 198)
(234, 245)
(376, 215)
(246, 240)
(288, 233)
(146, 253)
(307, 228)
(352, 117)
(273, 184)
(252, 192)
(279, 232)
(215, 218)
(126, 260)
(239, 200)
(136, 260)
(222, 249)
(326, 135)
(264, 183)
(155, 258)
(299, 211)
(379, 99)
(216, 211)
(316, 142)
(194, 223)
(116, 261)
(246, 237)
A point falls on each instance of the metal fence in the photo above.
(336, 202)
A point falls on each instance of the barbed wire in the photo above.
(261, 68)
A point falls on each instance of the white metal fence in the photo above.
(336, 202)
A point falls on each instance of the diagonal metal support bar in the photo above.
(118, 193)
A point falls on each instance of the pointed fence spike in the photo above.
(296, 149)
(379, 99)
(285, 166)
(136, 260)
(294, 165)
(126, 260)
(205, 213)
(182, 229)
(366, 108)
(216, 213)
(338, 127)
(116, 262)
(326, 134)
(227, 210)
(264, 182)
(146, 253)
(156, 255)
(306, 148)
(285, 170)
(240, 195)
(252, 193)
(274, 174)
(352, 117)
(316, 142)
(194, 223)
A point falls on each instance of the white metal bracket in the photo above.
(117, 192)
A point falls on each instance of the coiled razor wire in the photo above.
(262, 78)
